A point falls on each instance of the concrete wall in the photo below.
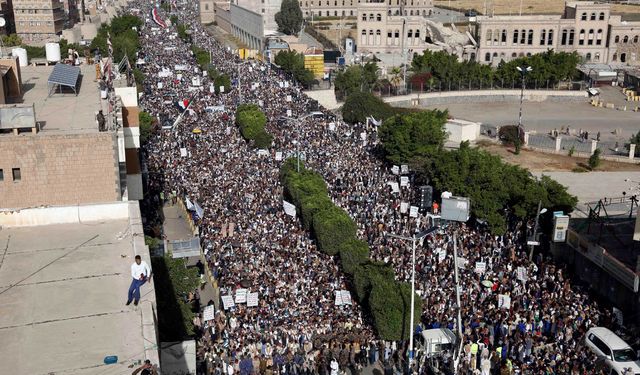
(223, 17)
(483, 96)
(64, 214)
(207, 11)
(247, 25)
(58, 170)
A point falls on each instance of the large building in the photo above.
(585, 27)
(38, 19)
(349, 8)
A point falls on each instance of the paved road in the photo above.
(547, 116)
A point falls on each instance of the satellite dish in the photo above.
(2, 22)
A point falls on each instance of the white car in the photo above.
(618, 355)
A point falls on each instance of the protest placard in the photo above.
(395, 188)
(289, 208)
(481, 267)
(288, 98)
(208, 313)
(278, 155)
(404, 207)
(241, 295)
(504, 301)
(404, 169)
(442, 255)
(404, 181)
(252, 299)
(160, 85)
(521, 273)
(289, 113)
(342, 297)
(395, 169)
(221, 89)
(413, 211)
(183, 152)
(227, 302)
(332, 126)
(461, 262)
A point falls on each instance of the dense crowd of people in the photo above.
(251, 243)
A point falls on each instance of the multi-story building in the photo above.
(585, 27)
(349, 8)
(38, 19)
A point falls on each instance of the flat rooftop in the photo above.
(62, 295)
(62, 113)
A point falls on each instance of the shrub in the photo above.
(365, 275)
(262, 139)
(390, 307)
(251, 122)
(594, 159)
(311, 205)
(332, 227)
(353, 253)
(572, 150)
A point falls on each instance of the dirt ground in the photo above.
(528, 7)
(543, 162)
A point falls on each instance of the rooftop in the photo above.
(62, 113)
(62, 293)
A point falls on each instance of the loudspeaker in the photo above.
(425, 197)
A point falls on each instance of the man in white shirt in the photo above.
(141, 273)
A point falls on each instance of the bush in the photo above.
(311, 205)
(251, 121)
(361, 105)
(145, 122)
(353, 253)
(263, 140)
(332, 227)
(390, 307)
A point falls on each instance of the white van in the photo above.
(437, 340)
(618, 355)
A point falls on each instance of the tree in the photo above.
(11, 40)
(361, 105)
(145, 122)
(594, 159)
(333, 227)
(396, 76)
(292, 62)
(355, 79)
(289, 18)
(405, 137)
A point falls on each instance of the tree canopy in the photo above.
(289, 18)
(123, 38)
(292, 62)
(405, 137)
(356, 78)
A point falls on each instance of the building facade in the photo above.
(585, 27)
(207, 11)
(349, 8)
(38, 19)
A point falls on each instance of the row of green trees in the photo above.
(385, 300)
(251, 121)
(203, 58)
(432, 68)
(497, 190)
(292, 62)
(124, 37)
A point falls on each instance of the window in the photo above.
(588, 56)
(599, 37)
(601, 18)
(489, 37)
(543, 37)
(530, 39)
(615, 57)
(515, 36)
(206, 6)
(581, 37)
(625, 39)
(364, 16)
(596, 56)
(635, 39)
(550, 38)
(584, 16)
(504, 37)
(379, 17)
(590, 41)
(487, 57)
(514, 55)
(389, 34)
(593, 16)
(617, 39)
(623, 57)
(16, 174)
(523, 36)
(410, 34)
(1, 175)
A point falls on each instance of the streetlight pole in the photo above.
(416, 237)
(523, 71)
(455, 267)
(535, 229)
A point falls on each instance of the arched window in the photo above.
(515, 37)
(596, 56)
(528, 54)
(565, 32)
(543, 37)
(378, 37)
(616, 39)
(487, 57)
(371, 17)
(514, 55)
(417, 33)
(623, 57)
(593, 16)
(364, 16)
(496, 36)
(625, 39)
(581, 37)
(523, 36)
(635, 39)
(572, 34)
(378, 17)
(410, 34)
(599, 37)
(588, 56)
(371, 40)
(503, 39)
(601, 18)
(550, 38)
(591, 37)
(530, 38)
(396, 34)
(363, 37)
(411, 12)
(489, 37)
(584, 16)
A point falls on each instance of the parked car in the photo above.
(618, 355)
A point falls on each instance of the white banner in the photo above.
(504, 301)
(160, 85)
(281, 84)
(395, 169)
(404, 181)
(342, 297)
(442, 255)
(241, 295)
(208, 313)
(195, 81)
(288, 98)
(260, 103)
(278, 155)
(404, 207)
(289, 113)
(221, 89)
(227, 302)
(183, 152)
(481, 267)
(252, 299)
(190, 205)
(413, 211)
(395, 188)
(289, 208)
(332, 126)
(404, 169)
(462, 262)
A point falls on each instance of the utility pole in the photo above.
(404, 45)
(455, 267)
(239, 85)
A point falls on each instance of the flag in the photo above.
(182, 105)
(109, 45)
(289, 208)
(155, 16)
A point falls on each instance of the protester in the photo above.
(141, 273)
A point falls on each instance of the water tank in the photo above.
(22, 56)
(53, 52)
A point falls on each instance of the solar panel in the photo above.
(65, 75)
